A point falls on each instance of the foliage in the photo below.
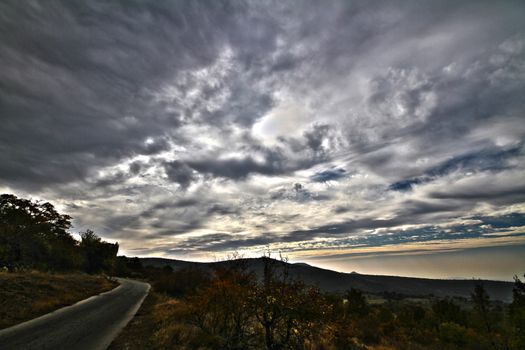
(236, 308)
(447, 311)
(33, 235)
(180, 283)
(231, 307)
(222, 309)
(517, 314)
(98, 255)
(289, 313)
(127, 267)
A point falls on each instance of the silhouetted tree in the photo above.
(124, 266)
(34, 234)
(98, 255)
(445, 310)
(289, 312)
(222, 310)
(517, 314)
(482, 306)
(355, 303)
(180, 283)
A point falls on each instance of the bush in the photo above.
(453, 333)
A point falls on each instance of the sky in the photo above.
(382, 137)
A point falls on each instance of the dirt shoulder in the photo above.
(140, 331)
(24, 296)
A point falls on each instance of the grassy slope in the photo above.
(24, 296)
(158, 325)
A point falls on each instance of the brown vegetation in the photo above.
(231, 308)
(155, 325)
(24, 296)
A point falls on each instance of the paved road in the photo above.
(90, 324)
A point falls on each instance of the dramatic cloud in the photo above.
(196, 128)
(328, 175)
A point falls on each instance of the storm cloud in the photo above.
(187, 128)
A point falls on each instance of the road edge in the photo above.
(55, 312)
(117, 328)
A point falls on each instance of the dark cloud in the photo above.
(133, 114)
(234, 168)
(505, 221)
(224, 242)
(84, 98)
(423, 234)
(221, 209)
(180, 173)
(494, 159)
(507, 194)
(411, 212)
(228, 242)
(411, 208)
(136, 167)
(329, 175)
(163, 229)
(270, 162)
(117, 223)
(315, 137)
(340, 209)
(297, 193)
(405, 185)
(180, 203)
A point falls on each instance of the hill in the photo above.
(27, 295)
(332, 281)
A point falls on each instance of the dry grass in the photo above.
(139, 331)
(24, 296)
(158, 325)
(161, 323)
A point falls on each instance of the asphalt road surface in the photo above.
(90, 324)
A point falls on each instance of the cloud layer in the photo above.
(191, 129)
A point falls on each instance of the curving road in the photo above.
(90, 324)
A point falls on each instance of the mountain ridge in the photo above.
(334, 281)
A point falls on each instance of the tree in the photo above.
(221, 309)
(517, 313)
(289, 313)
(482, 306)
(130, 267)
(98, 255)
(445, 310)
(355, 305)
(181, 283)
(34, 234)
(481, 301)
